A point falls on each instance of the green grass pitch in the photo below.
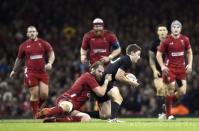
(130, 124)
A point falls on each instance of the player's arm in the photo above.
(152, 58)
(51, 59)
(83, 55)
(84, 49)
(101, 90)
(190, 60)
(121, 76)
(17, 64)
(159, 57)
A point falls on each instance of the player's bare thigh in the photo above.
(105, 109)
(84, 117)
(34, 93)
(160, 89)
(115, 95)
(43, 89)
(182, 90)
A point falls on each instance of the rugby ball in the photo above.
(131, 77)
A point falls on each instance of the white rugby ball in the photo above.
(131, 77)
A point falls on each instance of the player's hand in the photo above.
(134, 83)
(105, 59)
(188, 69)
(13, 74)
(108, 77)
(48, 66)
(165, 70)
(156, 74)
(84, 60)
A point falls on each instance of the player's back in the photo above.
(81, 89)
(123, 62)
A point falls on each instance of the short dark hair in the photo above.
(96, 65)
(132, 47)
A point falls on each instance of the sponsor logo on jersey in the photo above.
(177, 53)
(99, 50)
(33, 57)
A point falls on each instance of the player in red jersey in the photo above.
(34, 51)
(174, 68)
(100, 43)
(71, 101)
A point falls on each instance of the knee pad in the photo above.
(66, 106)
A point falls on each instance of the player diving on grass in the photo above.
(68, 104)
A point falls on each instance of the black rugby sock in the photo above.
(114, 109)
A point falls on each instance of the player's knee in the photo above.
(85, 118)
(66, 106)
(34, 97)
(105, 116)
(44, 95)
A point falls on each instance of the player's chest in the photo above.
(99, 42)
(34, 48)
(177, 45)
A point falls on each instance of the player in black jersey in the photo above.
(118, 68)
(162, 33)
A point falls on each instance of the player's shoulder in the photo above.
(26, 42)
(155, 41)
(87, 75)
(89, 33)
(184, 37)
(108, 32)
(42, 40)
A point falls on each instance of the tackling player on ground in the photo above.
(174, 68)
(71, 101)
(34, 51)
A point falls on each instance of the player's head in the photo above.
(97, 69)
(98, 26)
(176, 27)
(162, 32)
(134, 51)
(32, 32)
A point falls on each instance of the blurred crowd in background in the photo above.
(63, 23)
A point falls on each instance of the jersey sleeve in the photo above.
(91, 82)
(187, 43)
(153, 46)
(47, 46)
(85, 42)
(114, 42)
(126, 64)
(163, 46)
(21, 52)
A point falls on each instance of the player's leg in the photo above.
(116, 101)
(75, 116)
(43, 92)
(105, 109)
(170, 97)
(160, 93)
(43, 87)
(182, 87)
(34, 97)
(63, 106)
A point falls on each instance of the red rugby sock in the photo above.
(35, 106)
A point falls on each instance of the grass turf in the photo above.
(130, 124)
